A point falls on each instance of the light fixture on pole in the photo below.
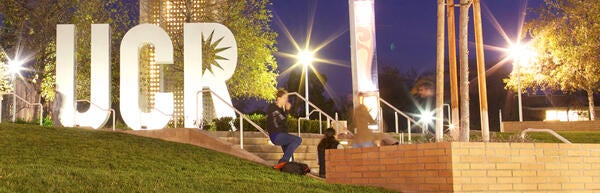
(14, 69)
(522, 55)
(426, 118)
(306, 58)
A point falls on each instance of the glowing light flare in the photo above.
(305, 57)
(14, 66)
(302, 56)
(286, 32)
(523, 54)
(492, 19)
(311, 22)
(427, 117)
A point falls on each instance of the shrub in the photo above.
(227, 123)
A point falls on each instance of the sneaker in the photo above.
(279, 165)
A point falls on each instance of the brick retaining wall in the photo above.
(470, 167)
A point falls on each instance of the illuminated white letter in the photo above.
(98, 113)
(133, 40)
(195, 79)
(192, 71)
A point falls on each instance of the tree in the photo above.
(5, 86)
(463, 41)
(249, 21)
(566, 36)
(394, 89)
(316, 91)
(27, 27)
(31, 25)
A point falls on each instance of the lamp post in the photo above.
(14, 118)
(305, 58)
(521, 55)
(427, 117)
(14, 68)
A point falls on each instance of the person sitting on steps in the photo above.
(278, 128)
(328, 142)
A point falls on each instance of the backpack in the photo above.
(296, 168)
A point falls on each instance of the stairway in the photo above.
(258, 144)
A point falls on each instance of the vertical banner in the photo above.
(364, 60)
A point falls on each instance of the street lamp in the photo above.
(14, 66)
(306, 58)
(427, 118)
(521, 55)
(14, 69)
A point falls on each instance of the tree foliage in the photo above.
(566, 36)
(31, 26)
(28, 27)
(249, 22)
(5, 86)
(316, 90)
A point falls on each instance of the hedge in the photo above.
(226, 123)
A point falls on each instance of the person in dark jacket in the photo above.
(328, 142)
(278, 128)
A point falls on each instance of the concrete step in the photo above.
(277, 156)
(256, 143)
(276, 149)
(266, 141)
(259, 134)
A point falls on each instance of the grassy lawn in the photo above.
(572, 136)
(44, 159)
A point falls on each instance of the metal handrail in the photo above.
(242, 116)
(561, 138)
(321, 112)
(320, 121)
(396, 112)
(97, 106)
(29, 104)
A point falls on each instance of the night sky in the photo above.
(406, 33)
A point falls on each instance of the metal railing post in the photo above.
(41, 117)
(15, 97)
(396, 120)
(321, 124)
(241, 132)
(260, 129)
(314, 106)
(402, 138)
(114, 118)
(299, 118)
(500, 117)
(409, 132)
(408, 118)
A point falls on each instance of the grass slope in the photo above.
(44, 159)
(572, 136)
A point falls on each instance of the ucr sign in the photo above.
(194, 79)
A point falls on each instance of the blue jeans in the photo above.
(289, 144)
